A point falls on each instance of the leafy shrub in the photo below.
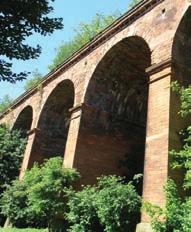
(22, 230)
(82, 214)
(46, 186)
(109, 206)
(117, 204)
(176, 216)
(12, 147)
(40, 195)
(14, 204)
(45, 196)
(182, 159)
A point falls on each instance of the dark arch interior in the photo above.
(181, 50)
(53, 124)
(113, 126)
(24, 121)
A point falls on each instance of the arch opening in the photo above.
(113, 126)
(24, 121)
(53, 124)
(181, 50)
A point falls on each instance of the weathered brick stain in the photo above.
(120, 99)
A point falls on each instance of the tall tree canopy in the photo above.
(133, 3)
(5, 102)
(83, 34)
(12, 147)
(34, 81)
(19, 19)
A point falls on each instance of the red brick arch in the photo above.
(114, 112)
(53, 123)
(159, 25)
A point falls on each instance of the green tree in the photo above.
(176, 214)
(14, 204)
(12, 147)
(134, 3)
(34, 81)
(182, 158)
(20, 19)
(83, 34)
(5, 102)
(82, 214)
(109, 206)
(46, 187)
(41, 194)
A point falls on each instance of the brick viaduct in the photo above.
(112, 97)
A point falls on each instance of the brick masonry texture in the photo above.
(112, 100)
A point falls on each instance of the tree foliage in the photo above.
(134, 3)
(20, 19)
(47, 185)
(23, 230)
(110, 206)
(34, 81)
(5, 102)
(41, 194)
(12, 147)
(182, 158)
(83, 34)
(82, 215)
(176, 215)
(46, 195)
(14, 204)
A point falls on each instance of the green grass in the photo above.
(22, 230)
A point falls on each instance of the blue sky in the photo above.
(73, 12)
